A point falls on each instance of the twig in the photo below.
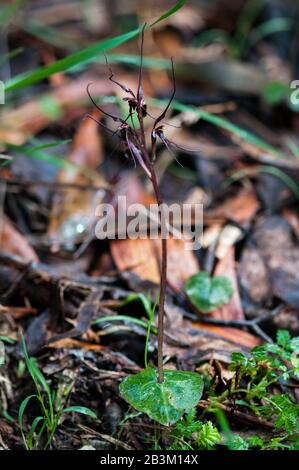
(251, 324)
(240, 415)
(106, 437)
(54, 184)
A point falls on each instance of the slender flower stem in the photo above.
(163, 278)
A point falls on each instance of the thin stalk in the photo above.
(163, 277)
(150, 321)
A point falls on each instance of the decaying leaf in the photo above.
(73, 210)
(234, 335)
(141, 257)
(72, 343)
(240, 208)
(233, 309)
(12, 241)
(19, 124)
(269, 267)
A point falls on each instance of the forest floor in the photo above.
(84, 305)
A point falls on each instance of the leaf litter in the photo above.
(84, 305)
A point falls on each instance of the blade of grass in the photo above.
(293, 147)
(211, 36)
(272, 26)
(223, 124)
(81, 409)
(5, 160)
(134, 61)
(7, 339)
(249, 13)
(57, 143)
(247, 17)
(38, 380)
(91, 52)
(7, 12)
(11, 54)
(41, 155)
(170, 12)
(143, 299)
(124, 318)
(33, 427)
(290, 183)
(35, 152)
(151, 319)
(20, 416)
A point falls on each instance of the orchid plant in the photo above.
(162, 394)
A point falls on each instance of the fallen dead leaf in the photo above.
(240, 208)
(235, 335)
(141, 257)
(19, 124)
(73, 210)
(233, 309)
(227, 239)
(70, 343)
(12, 241)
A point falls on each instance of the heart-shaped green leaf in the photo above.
(207, 293)
(165, 402)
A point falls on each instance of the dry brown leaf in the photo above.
(75, 208)
(18, 312)
(19, 124)
(140, 257)
(237, 336)
(233, 309)
(137, 256)
(74, 343)
(12, 241)
(241, 208)
(181, 263)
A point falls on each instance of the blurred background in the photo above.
(233, 146)
(233, 127)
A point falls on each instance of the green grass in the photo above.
(43, 427)
(150, 310)
(258, 387)
(271, 170)
(245, 35)
(8, 12)
(170, 12)
(79, 58)
(40, 152)
(85, 55)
